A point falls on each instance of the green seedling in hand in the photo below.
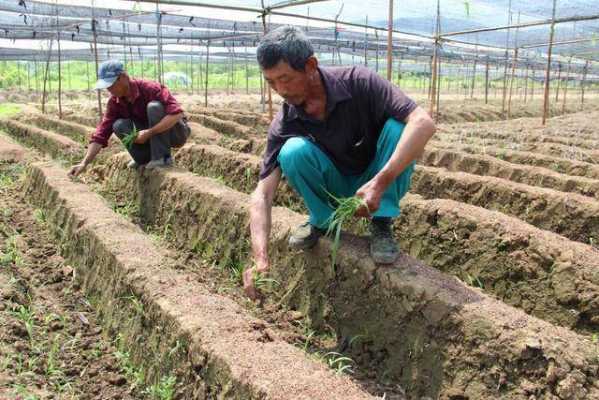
(346, 208)
(129, 139)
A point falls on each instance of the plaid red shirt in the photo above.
(142, 92)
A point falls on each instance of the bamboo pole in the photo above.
(36, 75)
(438, 84)
(46, 73)
(434, 64)
(59, 66)
(559, 81)
(390, 43)
(548, 71)
(95, 36)
(526, 84)
(487, 81)
(509, 104)
(247, 73)
(206, 78)
(532, 85)
(507, 45)
(399, 71)
(566, 85)
(87, 76)
(430, 80)
(270, 113)
(473, 78)
(159, 64)
(583, 83)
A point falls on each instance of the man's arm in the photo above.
(260, 224)
(99, 139)
(162, 126)
(92, 151)
(417, 132)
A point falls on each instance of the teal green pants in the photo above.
(311, 173)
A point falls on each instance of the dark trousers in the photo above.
(159, 146)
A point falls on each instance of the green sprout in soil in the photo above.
(236, 269)
(52, 366)
(40, 216)
(346, 208)
(163, 390)
(10, 255)
(129, 138)
(339, 362)
(260, 281)
(26, 315)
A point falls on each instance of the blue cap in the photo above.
(108, 73)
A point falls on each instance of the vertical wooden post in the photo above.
(434, 64)
(566, 85)
(583, 83)
(526, 85)
(87, 76)
(36, 75)
(233, 66)
(59, 67)
(247, 72)
(46, 74)
(398, 70)
(438, 84)
(95, 35)
(509, 104)
(390, 43)
(159, 64)
(507, 46)
(430, 69)
(559, 81)
(532, 85)
(473, 78)
(548, 71)
(28, 76)
(487, 81)
(270, 113)
(206, 78)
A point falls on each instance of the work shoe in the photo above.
(305, 236)
(163, 162)
(383, 248)
(132, 164)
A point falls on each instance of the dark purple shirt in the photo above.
(359, 102)
(142, 92)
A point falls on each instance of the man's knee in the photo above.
(155, 110)
(122, 126)
(294, 152)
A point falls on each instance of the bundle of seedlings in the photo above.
(129, 138)
(345, 208)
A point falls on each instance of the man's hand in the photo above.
(371, 192)
(143, 136)
(77, 169)
(248, 280)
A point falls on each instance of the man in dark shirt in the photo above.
(138, 104)
(344, 131)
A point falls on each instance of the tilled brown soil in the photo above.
(290, 325)
(51, 342)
